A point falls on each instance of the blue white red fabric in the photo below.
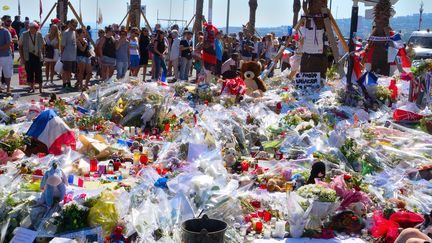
(75, 180)
(287, 52)
(52, 131)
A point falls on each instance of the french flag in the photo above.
(75, 180)
(287, 52)
(52, 131)
(397, 41)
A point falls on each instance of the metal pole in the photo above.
(210, 11)
(353, 33)
(331, 3)
(228, 16)
(183, 22)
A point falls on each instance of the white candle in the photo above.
(279, 229)
(267, 234)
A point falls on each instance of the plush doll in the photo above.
(53, 183)
(318, 171)
(117, 236)
(276, 185)
(250, 72)
(230, 157)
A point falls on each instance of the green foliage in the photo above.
(332, 73)
(73, 217)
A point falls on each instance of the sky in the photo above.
(270, 13)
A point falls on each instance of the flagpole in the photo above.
(421, 15)
(19, 8)
(97, 14)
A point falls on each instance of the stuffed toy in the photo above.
(53, 184)
(276, 185)
(230, 157)
(117, 236)
(318, 171)
(250, 72)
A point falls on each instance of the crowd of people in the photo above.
(172, 53)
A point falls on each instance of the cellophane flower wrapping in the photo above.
(319, 212)
(104, 213)
(297, 216)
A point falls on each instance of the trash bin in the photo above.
(203, 230)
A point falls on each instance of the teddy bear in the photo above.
(250, 72)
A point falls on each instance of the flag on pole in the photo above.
(100, 17)
(40, 9)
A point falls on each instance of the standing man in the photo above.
(174, 54)
(31, 47)
(69, 53)
(7, 22)
(17, 24)
(219, 53)
(186, 48)
(247, 47)
(6, 62)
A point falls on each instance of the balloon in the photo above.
(5, 8)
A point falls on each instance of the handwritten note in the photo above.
(308, 82)
(23, 235)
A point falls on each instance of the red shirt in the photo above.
(13, 34)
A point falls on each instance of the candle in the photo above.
(267, 234)
(245, 166)
(279, 229)
(93, 165)
(144, 159)
(267, 216)
(102, 169)
(258, 226)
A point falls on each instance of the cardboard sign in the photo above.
(308, 82)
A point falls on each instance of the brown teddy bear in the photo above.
(250, 72)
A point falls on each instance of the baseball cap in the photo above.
(55, 20)
(34, 24)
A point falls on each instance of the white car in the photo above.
(422, 41)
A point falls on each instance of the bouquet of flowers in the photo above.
(322, 203)
(301, 119)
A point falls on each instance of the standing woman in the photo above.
(134, 52)
(144, 42)
(83, 60)
(31, 48)
(107, 47)
(52, 53)
(160, 50)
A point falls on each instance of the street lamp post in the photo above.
(228, 17)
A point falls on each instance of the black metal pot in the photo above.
(203, 230)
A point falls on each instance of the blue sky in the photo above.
(270, 12)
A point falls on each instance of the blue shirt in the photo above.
(247, 52)
(5, 38)
(122, 52)
(218, 47)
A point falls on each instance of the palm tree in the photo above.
(135, 13)
(198, 16)
(253, 5)
(296, 9)
(382, 28)
(62, 9)
(315, 62)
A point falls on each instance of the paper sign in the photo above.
(313, 41)
(23, 235)
(308, 82)
(195, 150)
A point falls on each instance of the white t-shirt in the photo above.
(175, 49)
(226, 66)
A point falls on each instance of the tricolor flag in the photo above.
(75, 180)
(397, 41)
(287, 52)
(52, 131)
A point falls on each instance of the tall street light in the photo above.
(228, 16)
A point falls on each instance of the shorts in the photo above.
(55, 58)
(144, 60)
(85, 60)
(69, 66)
(6, 65)
(134, 61)
(108, 61)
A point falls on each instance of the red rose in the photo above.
(347, 177)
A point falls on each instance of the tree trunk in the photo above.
(296, 9)
(62, 9)
(253, 5)
(315, 63)
(198, 17)
(135, 13)
(382, 28)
